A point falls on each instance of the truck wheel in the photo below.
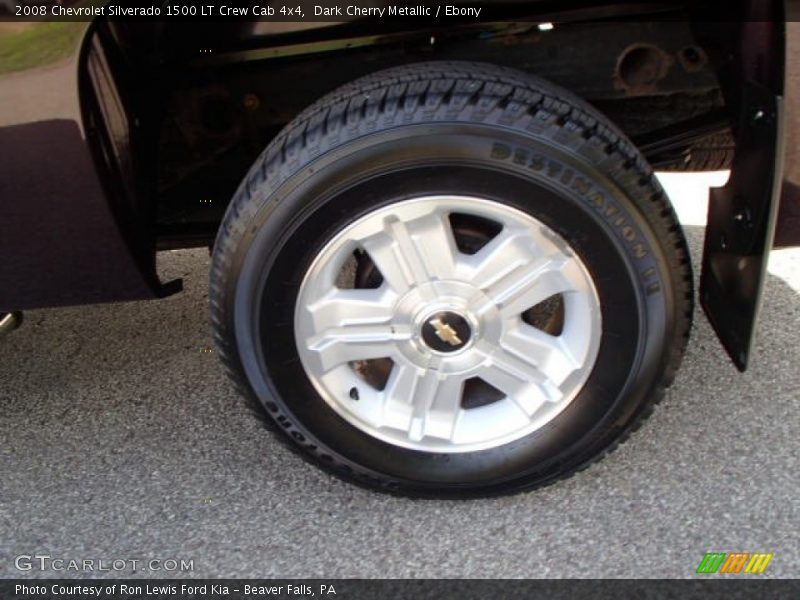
(451, 279)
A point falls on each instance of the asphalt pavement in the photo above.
(121, 439)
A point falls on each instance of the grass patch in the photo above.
(37, 44)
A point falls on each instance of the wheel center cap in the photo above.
(446, 332)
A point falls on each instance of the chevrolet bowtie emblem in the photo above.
(445, 333)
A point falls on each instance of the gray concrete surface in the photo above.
(120, 438)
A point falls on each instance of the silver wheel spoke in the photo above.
(422, 403)
(521, 381)
(437, 403)
(528, 285)
(411, 253)
(402, 385)
(503, 254)
(400, 389)
(351, 324)
(339, 345)
(349, 307)
(546, 352)
(515, 272)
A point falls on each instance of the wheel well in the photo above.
(206, 103)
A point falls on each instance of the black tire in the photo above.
(459, 127)
(712, 153)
